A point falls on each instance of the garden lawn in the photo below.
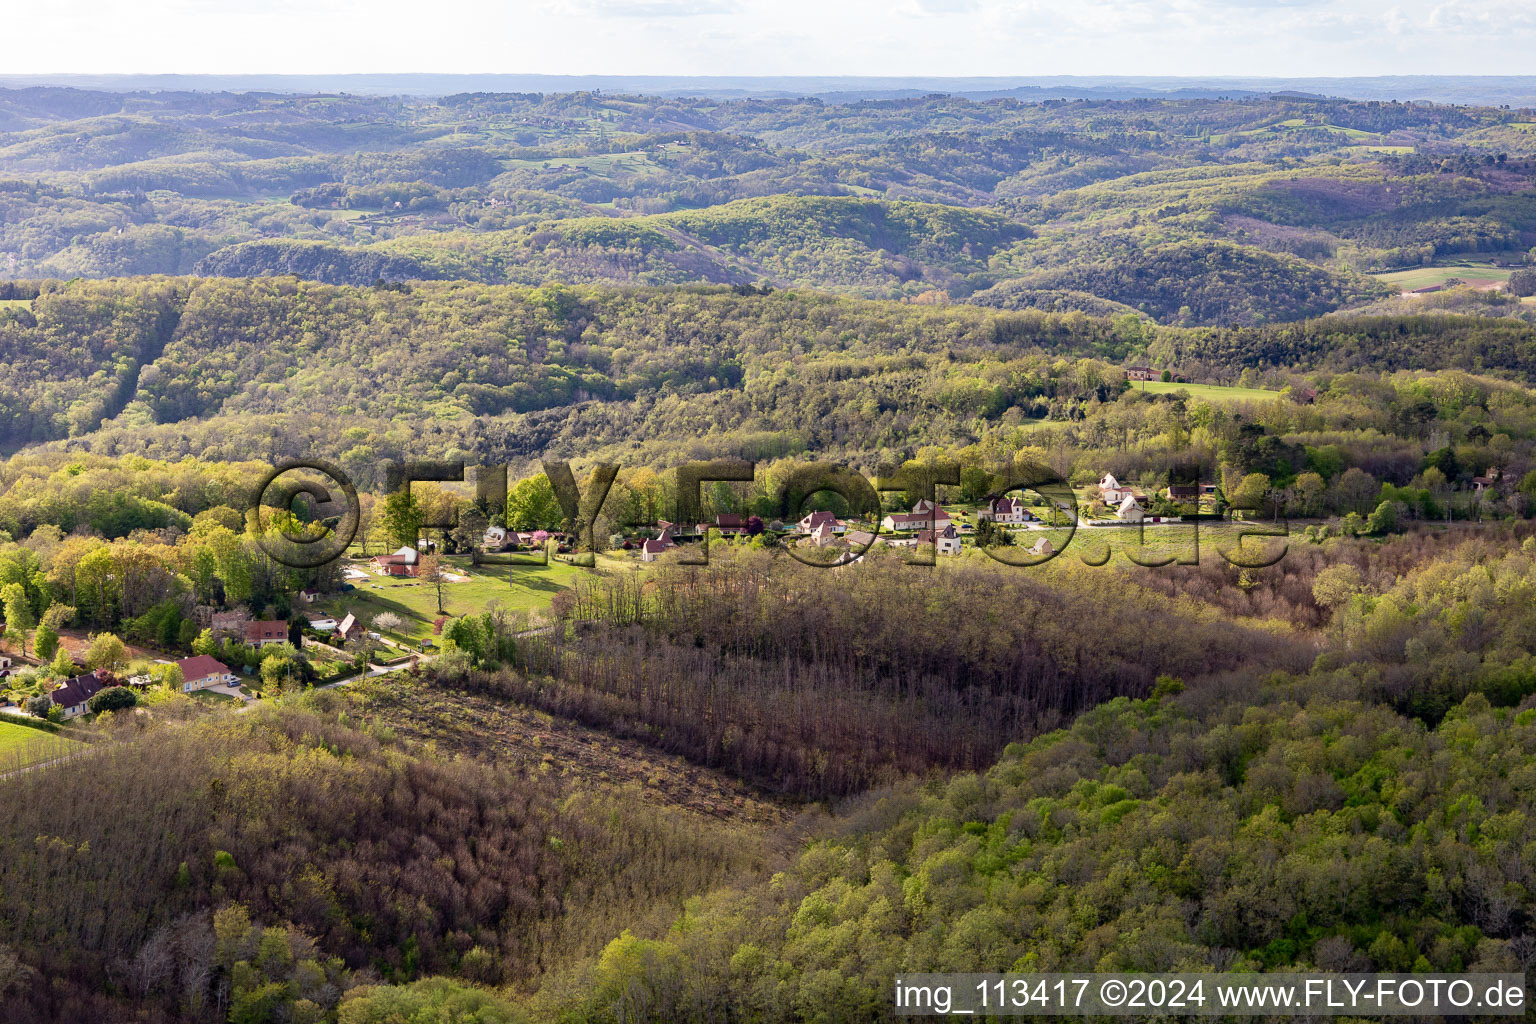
(524, 587)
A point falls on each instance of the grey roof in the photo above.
(78, 690)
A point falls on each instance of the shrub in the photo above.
(113, 698)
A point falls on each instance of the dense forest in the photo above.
(228, 371)
(1212, 212)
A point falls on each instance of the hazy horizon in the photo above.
(1513, 90)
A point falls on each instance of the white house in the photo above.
(1130, 511)
(814, 519)
(495, 536)
(204, 670)
(924, 516)
(71, 698)
(1112, 492)
(1042, 546)
(652, 549)
(945, 541)
(1005, 510)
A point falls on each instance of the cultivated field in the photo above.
(1478, 275)
(1209, 392)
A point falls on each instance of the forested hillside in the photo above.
(1192, 212)
(235, 370)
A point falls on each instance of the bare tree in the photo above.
(430, 572)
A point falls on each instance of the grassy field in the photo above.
(15, 303)
(1209, 392)
(1475, 274)
(515, 587)
(21, 746)
(1297, 124)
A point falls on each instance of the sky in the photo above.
(1290, 38)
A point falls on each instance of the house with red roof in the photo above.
(204, 670)
(263, 632)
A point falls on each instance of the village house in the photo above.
(348, 627)
(1142, 373)
(204, 670)
(1005, 510)
(1112, 492)
(682, 529)
(494, 537)
(264, 632)
(1041, 546)
(925, 515)
(1130, 511)
(812, 520)
(399, 563)
(860, 539)
(731, 524)
(309, 595)
(823, 536)
(1486, 481)
(662, 542)
(71, 698)
(945, 541)
(1182, 492)
(855, 544)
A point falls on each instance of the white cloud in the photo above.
(931, 8)
(653, 9)
(785, 37)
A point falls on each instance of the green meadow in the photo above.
(1475, 274)
(1209, 392)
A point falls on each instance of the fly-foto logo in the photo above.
(320, 531)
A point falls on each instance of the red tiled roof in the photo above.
(265, 629)
(200, 666)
